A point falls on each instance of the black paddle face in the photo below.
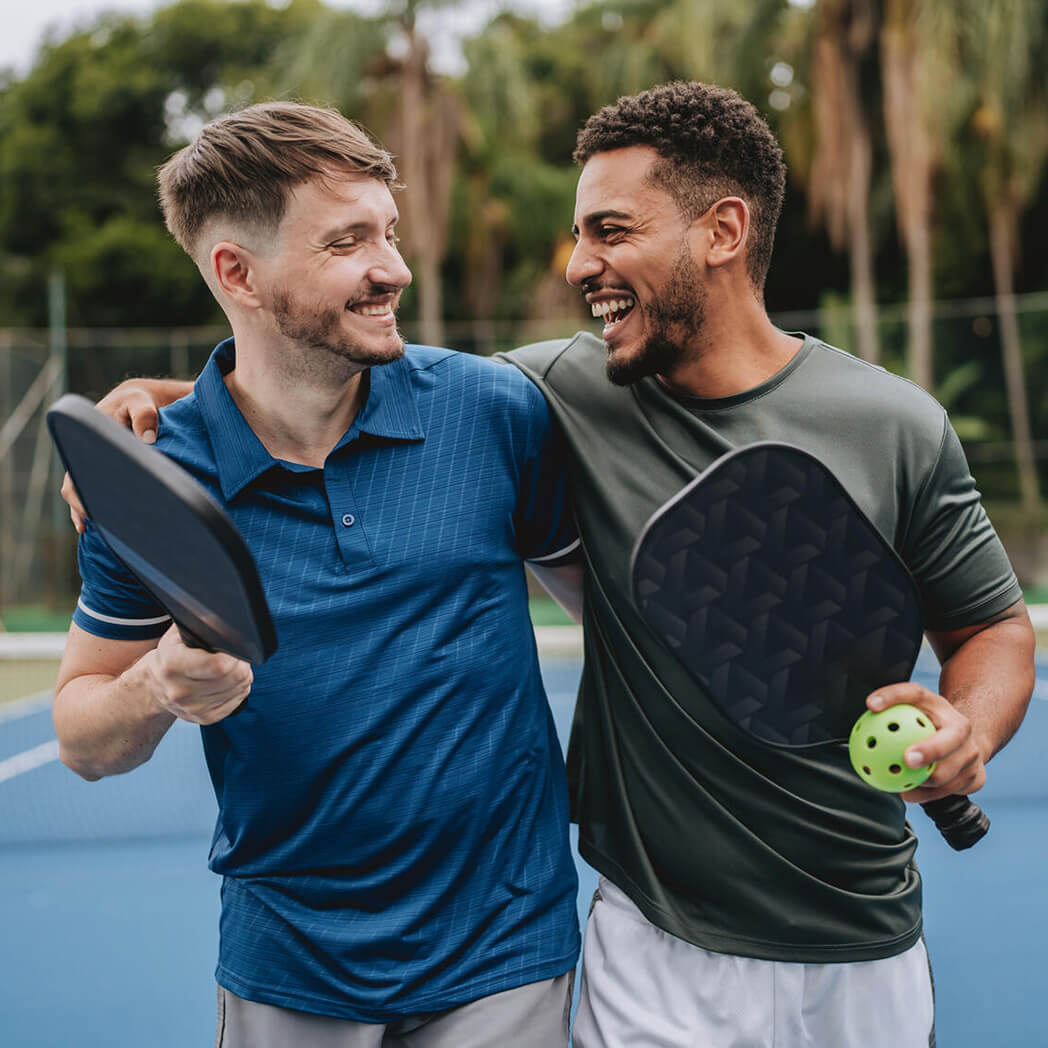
(778, 594)
(167, 530)
(784, 602)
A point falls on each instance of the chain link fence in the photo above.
(38, 547)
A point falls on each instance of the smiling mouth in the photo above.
(613, 311)
(376, 310)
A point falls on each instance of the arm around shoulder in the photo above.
(136, 403)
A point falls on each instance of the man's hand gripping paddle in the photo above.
(167, 530)
(786, 604)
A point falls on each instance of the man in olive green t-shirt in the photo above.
(749, 895)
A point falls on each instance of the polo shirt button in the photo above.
(348, 519)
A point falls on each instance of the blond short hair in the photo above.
(243, 167)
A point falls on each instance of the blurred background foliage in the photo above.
(916, 133)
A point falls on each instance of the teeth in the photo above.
(609, 308)
(372, 311)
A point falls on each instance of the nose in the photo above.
(389, 267)
(583, 265)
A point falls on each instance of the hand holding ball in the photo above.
(878, 742)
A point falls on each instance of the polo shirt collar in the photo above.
(389, 412)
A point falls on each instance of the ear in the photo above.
(727, 226)
(235, 271)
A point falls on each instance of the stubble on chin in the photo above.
(326, 347)
(655, 357)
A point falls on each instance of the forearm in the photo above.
(990, 679)
(107, 725)
(162, 391)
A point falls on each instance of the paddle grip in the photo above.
(961, 822)
(190, 640)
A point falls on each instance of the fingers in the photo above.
(134, 407)
(131, 406)
(959, 761)
(76, 509)
(195, 685)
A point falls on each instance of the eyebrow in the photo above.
(596, 217)
(351, 228)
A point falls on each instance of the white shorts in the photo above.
(644, 988)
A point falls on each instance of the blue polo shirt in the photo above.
(392, 812)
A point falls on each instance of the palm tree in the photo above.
(842, 159)
(1006, 52)
(425, 132)
(376, 70)
(922, 98)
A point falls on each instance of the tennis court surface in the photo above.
(109, 915)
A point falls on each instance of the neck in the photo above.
(737, 349)
(299, 413)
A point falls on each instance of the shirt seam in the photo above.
(473, 991)
(729, 943)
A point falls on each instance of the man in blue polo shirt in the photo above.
(392, 810)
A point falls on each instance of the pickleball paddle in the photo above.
(784, 601)
(167, 530)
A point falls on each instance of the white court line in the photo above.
(28, 760)
(23, 707)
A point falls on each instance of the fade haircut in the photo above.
(711, 143)
(244, 166)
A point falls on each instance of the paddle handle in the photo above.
(191, 640)
(961, 822)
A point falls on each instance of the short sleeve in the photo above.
(952, 549)
(543, 520)
(113, 603)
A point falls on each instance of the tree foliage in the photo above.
(489, 149)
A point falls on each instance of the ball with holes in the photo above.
(879, 740)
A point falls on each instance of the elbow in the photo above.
(87, 770)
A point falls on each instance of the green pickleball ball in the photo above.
(878, 741)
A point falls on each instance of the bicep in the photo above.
(87, 655)
(1011, 626)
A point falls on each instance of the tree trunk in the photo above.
(919, 310)
(421, 209)
(860, 247)
(912, 164)
(1003, 220)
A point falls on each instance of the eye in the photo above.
(344, 245)
(392, 238)
(606, 232)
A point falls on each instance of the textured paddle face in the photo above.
(777, 593)
(167, 530)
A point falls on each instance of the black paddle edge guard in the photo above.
(961, 822)
(72, 411)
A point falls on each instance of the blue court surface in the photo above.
(109, 916)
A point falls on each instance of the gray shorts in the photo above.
(531, 1016)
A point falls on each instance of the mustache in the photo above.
(591, 287)
(377, 291)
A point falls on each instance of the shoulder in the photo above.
(183, 436)
(483, 381)
(869, 394)
(560, 359)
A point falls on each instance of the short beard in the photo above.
(321, 330)
(676, 318)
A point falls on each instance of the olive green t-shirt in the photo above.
(731, 844)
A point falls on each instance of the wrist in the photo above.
(143, 684)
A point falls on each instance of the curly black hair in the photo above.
(712, 143)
